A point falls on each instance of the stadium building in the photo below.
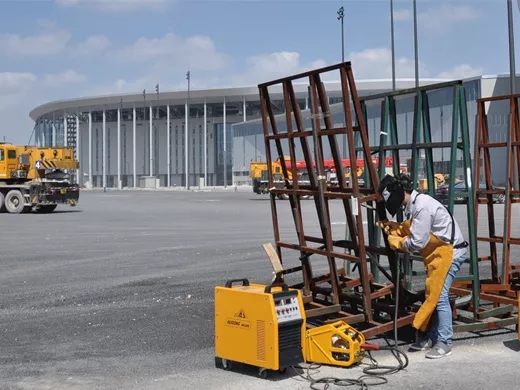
(119, 139)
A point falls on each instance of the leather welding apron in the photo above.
(437, 258)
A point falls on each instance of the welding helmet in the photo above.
(392, 190)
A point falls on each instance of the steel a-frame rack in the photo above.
(502, 286)
(457, 140)
(333, 295)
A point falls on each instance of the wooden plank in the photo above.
(273, 257)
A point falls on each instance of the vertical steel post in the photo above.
(392, 39)
(341, 16)
(416, 43)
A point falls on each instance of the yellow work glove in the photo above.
(395, 228)
(396, 243)
(388, 225)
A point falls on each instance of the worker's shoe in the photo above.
(421, 344)
(439, 350)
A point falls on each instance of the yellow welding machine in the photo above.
(258, 325)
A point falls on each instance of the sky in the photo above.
(61, 49)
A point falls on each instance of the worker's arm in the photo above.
(420, 231)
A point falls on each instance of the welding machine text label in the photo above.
(238, 323)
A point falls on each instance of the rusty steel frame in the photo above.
(501, 290)
(503, 286)
(359, 300)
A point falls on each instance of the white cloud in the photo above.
(374, 63)
(256, 69)
(118, 5)
(67, 77)
(14, 88)
(441, 19)
(377, 63)
(196, 52)
(461, 72)
(12, 82)
(94, 44)
(49, 41)
(261, 68)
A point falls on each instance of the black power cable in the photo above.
(374, 374)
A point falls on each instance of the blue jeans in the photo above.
(441, 328)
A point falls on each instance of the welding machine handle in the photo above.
(269, 287)
(229, 283)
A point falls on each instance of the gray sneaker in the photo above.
(421, 344)
(438, 351)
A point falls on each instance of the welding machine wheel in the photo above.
(263, 373)
(223, 363)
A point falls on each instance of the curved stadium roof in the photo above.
(209, 96)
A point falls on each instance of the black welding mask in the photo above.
(392, 191)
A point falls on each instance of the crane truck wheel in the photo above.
(46, 208)
(2, 203)
(14, 202)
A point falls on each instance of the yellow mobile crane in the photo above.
(33, 177)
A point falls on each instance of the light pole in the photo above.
(144, 135)
(512, 76)
(341, 16)
(512, 66)
(155, 137)
(186, 137)
(415, 43)
(392, 38)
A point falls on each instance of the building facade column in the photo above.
(53, 143)
(79, 154)
(65, 128)
(186, 142)
(90, 147)
(205, 144)
(150, 140)
(244, 110)
(104, 159)
(119, 184)
(225, 152)
(169, 146)
(134, 146)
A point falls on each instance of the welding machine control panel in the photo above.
(287, 309)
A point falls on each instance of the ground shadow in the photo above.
(66, 211)
(54, 212)
(251, 371)
(406, 336)
(513, 345)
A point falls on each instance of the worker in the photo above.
(430, 230)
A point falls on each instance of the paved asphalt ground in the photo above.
(118, 294)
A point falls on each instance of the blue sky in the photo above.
(59, 49)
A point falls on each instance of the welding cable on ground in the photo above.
(374, 373)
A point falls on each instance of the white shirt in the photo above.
(429, 215)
